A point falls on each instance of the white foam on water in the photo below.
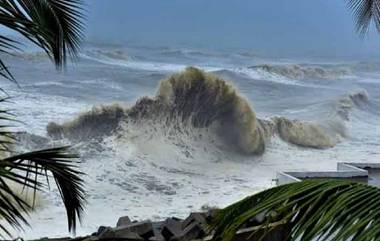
(152, 175)
(144, 65)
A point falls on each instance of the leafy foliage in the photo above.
(315, 210)
(26, 169)
(54, 25)
(365, 12)
(57, 164)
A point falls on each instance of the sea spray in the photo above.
(194, 99)
(206, 100)
(304, 134)
(98, 122)
(349, 101)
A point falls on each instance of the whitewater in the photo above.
(165, 131)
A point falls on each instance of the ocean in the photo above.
(178, 151)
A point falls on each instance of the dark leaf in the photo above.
(365, 12)
(315, 210)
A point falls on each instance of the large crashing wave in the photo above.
(349, 101)
(190, 100)
(301, 72)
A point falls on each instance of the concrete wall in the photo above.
(351, 171)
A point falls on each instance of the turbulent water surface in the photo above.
(154, 144)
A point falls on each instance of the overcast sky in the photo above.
(266, 26)
(315, 27)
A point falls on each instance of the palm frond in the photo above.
(365, 12)
(27, 169)
(7, 46)
(5, 73)
(6, 137)
(314, 210)
(54, 25)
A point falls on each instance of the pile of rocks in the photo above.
(172, 229)
(194, 227)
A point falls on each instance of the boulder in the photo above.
(157, 228)
(90, 238)
(144, 229)
(172, 227)
(101, 229)
(192, 231)
(132, 231)
(198, 218)
(123, 221)
(119, 233)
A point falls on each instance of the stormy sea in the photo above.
(163, 131)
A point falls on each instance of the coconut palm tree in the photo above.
(56, 27)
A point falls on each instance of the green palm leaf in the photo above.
(34, 171)
(54, 25)
(365, 12)
(314, 210)
(27, 169)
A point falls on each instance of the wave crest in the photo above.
(194, 99)
(351, 100)
(204, 100)
(96, 123)
(300, 72)
(304, 134)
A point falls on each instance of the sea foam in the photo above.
(194, 99)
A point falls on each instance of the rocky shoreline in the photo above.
(194, 227)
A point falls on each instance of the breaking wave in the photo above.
(109, 54)
(192, 102)
(355, 99)
(30, 56)
(98, 122)
(306, 134)
(188, 53)
(303, 72)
